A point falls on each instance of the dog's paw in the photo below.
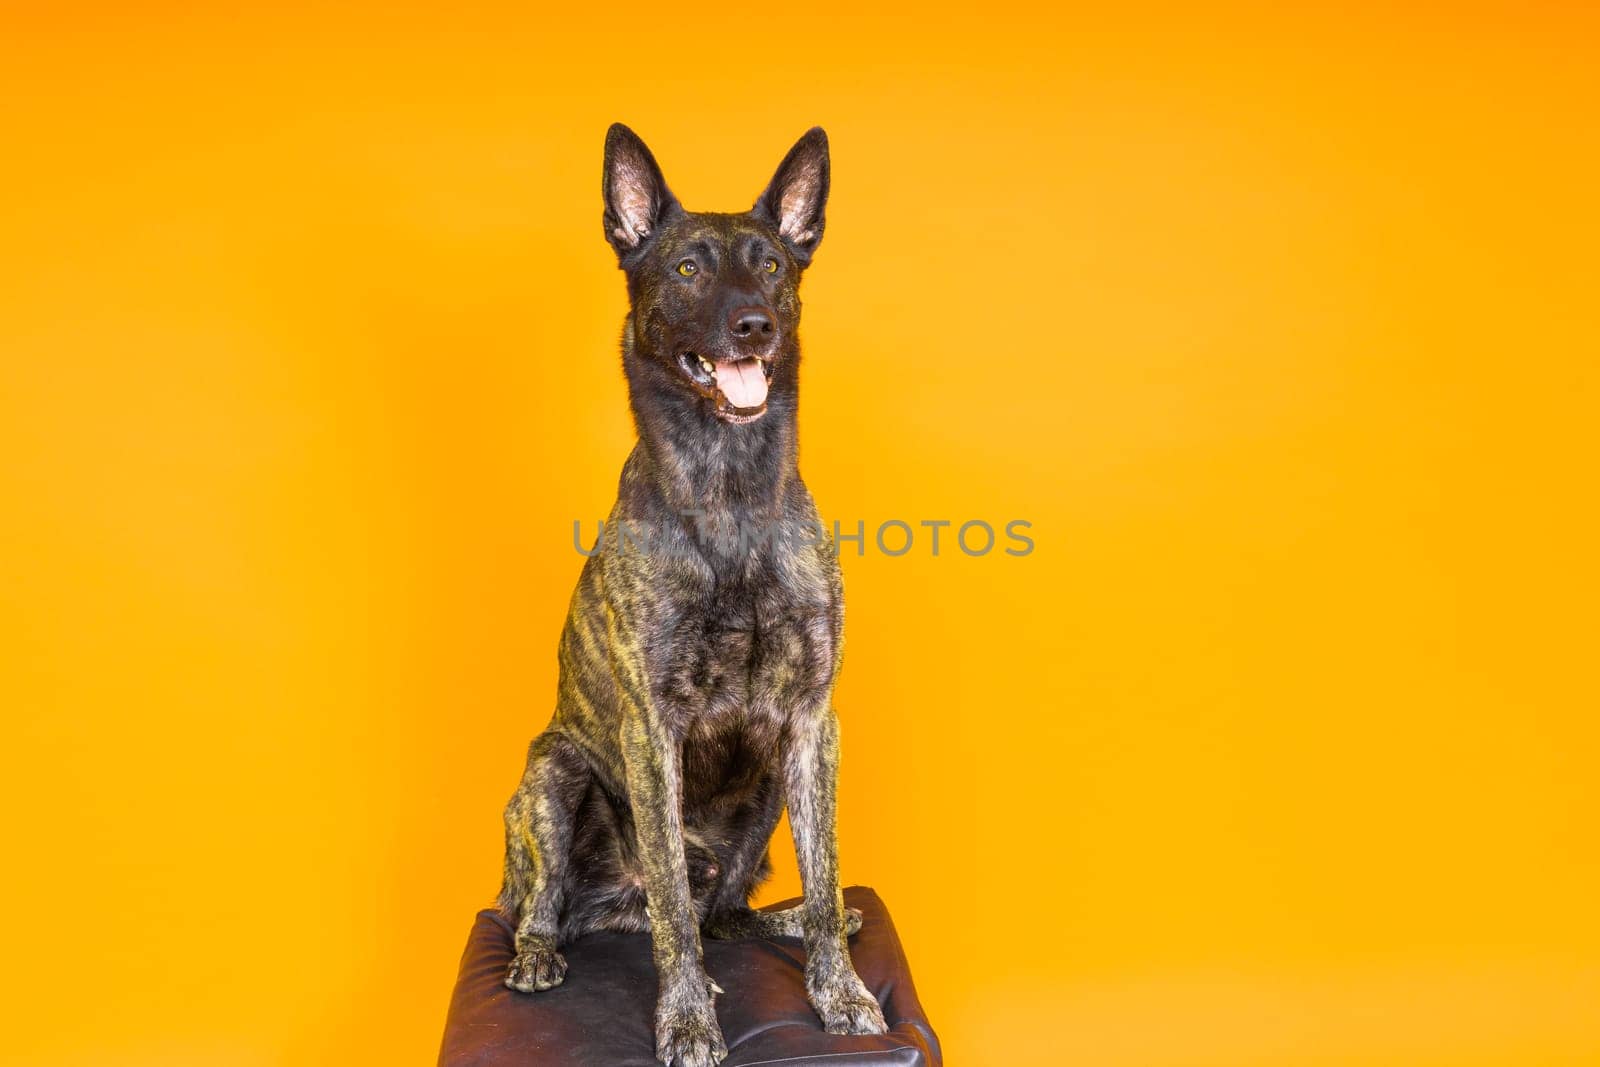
(537, 966)
(688, 1035)
(852, 921)
(845, 1005)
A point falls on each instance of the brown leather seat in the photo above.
(602, 1015)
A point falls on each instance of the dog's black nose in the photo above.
(750, 322)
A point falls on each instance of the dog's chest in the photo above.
(750, 659)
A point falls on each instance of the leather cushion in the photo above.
(603, 1014)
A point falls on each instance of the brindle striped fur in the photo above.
(695, 693)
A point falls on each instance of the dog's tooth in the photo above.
(706, 365)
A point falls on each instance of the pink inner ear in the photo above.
(798, 203)
(630, 192)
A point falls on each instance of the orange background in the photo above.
(1278, 324)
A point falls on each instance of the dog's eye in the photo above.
(770, 266)
(687, 268)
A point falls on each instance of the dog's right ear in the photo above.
(637, 198)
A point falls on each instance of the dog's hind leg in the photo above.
(739, 923)
(731, 916)
(744, 838)
(538, 845)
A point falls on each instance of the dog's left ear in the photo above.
(795, 199)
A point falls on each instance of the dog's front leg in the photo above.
(810, 771)
(687, 1034)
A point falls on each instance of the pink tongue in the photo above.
(743, 383)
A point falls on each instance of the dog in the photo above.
(696, 676)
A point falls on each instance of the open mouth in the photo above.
(739, 386)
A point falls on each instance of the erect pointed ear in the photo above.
(637, 198)
(795, 200)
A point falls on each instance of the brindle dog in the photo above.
(695, 694)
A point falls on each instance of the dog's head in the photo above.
(715, 296)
